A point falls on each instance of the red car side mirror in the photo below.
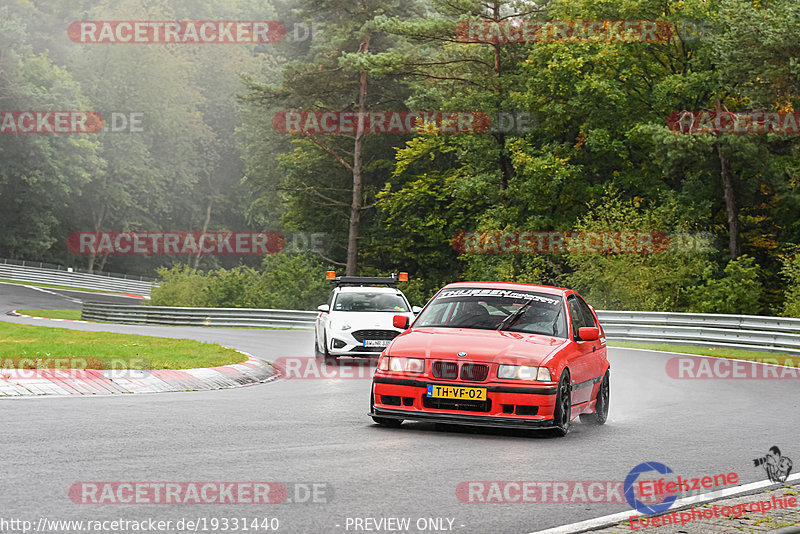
(588, 333)
(400, 321)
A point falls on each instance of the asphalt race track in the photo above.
(318, 431)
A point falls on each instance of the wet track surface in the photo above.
(317, 431)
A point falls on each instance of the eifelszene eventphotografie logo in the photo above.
(777, 467)
(630, 485)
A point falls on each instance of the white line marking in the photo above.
(52, 293)
(609, 520)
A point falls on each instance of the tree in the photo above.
(332, 76)
(40, 172)
(449, 68)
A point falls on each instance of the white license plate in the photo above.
(376, 342)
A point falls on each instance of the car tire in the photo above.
(327, 355)
(317, 353)
(382, 421)
(563, 410)
(600, 414)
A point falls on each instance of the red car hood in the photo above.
(490, 346)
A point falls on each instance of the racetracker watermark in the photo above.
(124, 121)
(546, 491)
(564, 31)
(734, 122)
(403, 122)
(698, 367)
(77, 368)
(177, 493)
(580, 31)
(712, 512)
(601, 242)
(210, 243)
(180, 32)
(308, 368)
(317, 242)
(50, 122)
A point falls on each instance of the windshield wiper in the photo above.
(510, 318)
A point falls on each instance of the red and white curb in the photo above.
(35, 382)
(15, 313)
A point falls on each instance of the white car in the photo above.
(357, 320)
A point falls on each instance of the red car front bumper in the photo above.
(505, 405)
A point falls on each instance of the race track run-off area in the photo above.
(308, 445)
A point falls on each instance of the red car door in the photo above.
(582, 360)
(599, 360)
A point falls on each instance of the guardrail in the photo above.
(102, 282)
(56, 267)
(163, 315)
(750, 332)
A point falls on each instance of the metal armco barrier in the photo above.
(749, 332)
(163, 315)
(752, 332)
(27, 273)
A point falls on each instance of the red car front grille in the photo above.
(470, 372)
(474, 372)
(448, 370)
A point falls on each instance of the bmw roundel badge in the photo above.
(461, 354)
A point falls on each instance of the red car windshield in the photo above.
(490, 309)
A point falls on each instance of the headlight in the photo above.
(402, 365)
(523, 372)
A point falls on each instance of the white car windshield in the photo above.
(493, 309)
(370, 302)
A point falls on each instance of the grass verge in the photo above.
(22, 345)
(76, 316)
(73, 315)
(780, 358)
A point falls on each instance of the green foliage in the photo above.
(599, 155)
(418, 291)
(230, 288)
(41, 175)
(737, 291)
(504, 268)
(601, 110)
(322, 176)
(286, 281)
(290, 281)
(178, 170)
(634, 281)
(180, 286)
(791, 272)
(420, 219)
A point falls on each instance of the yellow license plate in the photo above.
(456, 392)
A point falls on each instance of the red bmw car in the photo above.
(496, 354)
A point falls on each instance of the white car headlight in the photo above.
(524, 372)
(402, 365)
